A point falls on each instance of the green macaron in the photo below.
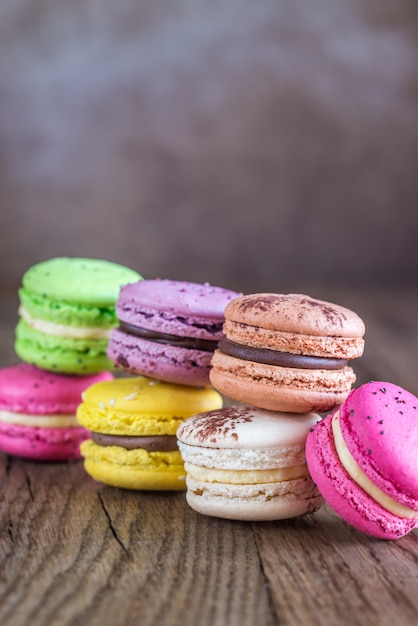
(67, 309)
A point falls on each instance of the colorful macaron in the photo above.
(244, 463)
(133, 423)
(67, 309)
(287, 352)
(38, 412)
(168, 330)
(364, 459)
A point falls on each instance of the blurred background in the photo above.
(254, 145)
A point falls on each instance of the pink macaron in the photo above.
(364, 459)
(169, 329)
(37, 412)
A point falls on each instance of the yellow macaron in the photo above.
(133, 423)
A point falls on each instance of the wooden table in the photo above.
(75, 552)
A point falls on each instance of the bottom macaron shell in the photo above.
(157, 360)
(61, 354)
(343, 494)
(134, 469)
(42, 444)
(274, 397)
(262, 502)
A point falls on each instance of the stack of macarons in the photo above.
(166, 336)
(67, 309)
(285, 359)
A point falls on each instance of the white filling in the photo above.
(39, 421)
(354, 471)
(63, 330)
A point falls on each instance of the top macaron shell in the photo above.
(244, 427)
(178, 308)
(78, 280)
(379, 424)
(138, 406)
(180, 315)
(75, 291)
(27, 389)
(295, 323)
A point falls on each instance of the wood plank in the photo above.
(321, 571)
(74, 551)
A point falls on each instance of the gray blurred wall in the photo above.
(251, 144)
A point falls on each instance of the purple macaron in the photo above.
(169, 329)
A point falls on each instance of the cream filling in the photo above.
(63, 330)
(39, 421)
(354, 471)
(245, 477)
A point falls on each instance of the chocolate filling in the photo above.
(191, 343)
(283, 359)
(158, 443)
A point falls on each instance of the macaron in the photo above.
(133, 423)
(67, 309)
(168, 330)
(364, 459)
(38, 412)
(287, 352)
(245, 463)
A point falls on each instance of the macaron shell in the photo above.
(134, 469)
(88, 281)
(66, 313)
(278, 388)
(175, 307)
(262, 502)
(327, 346)
(160, 361)
(379, 424)
(61, 354)
(247, 428)
(42, 444)
(25, 388)
(295, 313)
(138, 406)
(343, 494)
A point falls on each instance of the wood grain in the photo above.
(75, 552)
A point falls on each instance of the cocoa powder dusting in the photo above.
(212, 425)
(332, 315)
(265, 302)
(261, 302)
